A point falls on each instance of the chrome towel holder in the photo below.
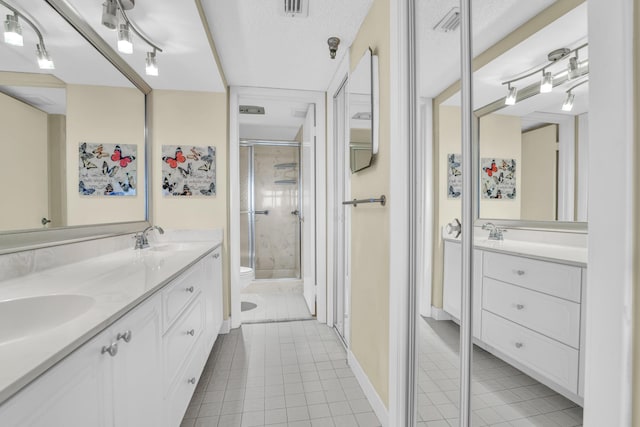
(355, 202)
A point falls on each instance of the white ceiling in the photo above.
(187, 62)
(260, 47)
(48, 99)
(568, 31)
(440, 52)
(281, 121)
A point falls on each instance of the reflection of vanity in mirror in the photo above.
(530, 180)
(363, 106)
(48, 113)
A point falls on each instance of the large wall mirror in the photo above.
(531, 107)
(64, 123)
(363, 112)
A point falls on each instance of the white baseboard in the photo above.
(369, 391)
(440, 314)
(226, 326)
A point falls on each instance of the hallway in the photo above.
(279, 374)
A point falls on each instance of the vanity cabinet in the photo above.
(140, 371)
(528, 312)
(452, 289)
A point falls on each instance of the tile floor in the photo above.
(276, 301)
(291, 374)
(502, 395)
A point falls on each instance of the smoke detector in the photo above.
(450, 21)
(296, 8)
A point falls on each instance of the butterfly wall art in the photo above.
(454, 176)
(188, 170)
(498, 178)
(107, 169)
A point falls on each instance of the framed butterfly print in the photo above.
(107, 169)
(498, 178)
(188, 170)
(454, 176)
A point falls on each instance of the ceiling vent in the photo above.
(251, 109)
(450, 21)
(296, 8)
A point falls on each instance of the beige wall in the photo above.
(370, 223)
(501, 138)
(57, 157)
(539, 165)
(201, 119)
(108, 115)
(24, 169)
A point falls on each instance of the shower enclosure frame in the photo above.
(251, 209)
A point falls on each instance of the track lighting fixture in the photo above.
(511, 97)
(13, 36)
(125, 42)
(546, 84)
(13, 31)
(151, 64)
(125, 27)
(574, 69)
(568, 102)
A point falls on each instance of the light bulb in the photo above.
(44, 60)
(109, 18)
(125, 43)
(13, 31)
(546, 85)
(573, 68)
(151, 64)
(568, 103)
(511, 97)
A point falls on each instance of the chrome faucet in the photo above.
(141, 238)
(495, 232)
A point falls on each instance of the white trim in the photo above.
(398, 214)
(425, 219)
(583, 168)
(566, 159)
(608, 364)
(440, 314)
(341, 73)
(369, 390)
(226, 326)
(318, 98)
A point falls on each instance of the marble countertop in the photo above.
(117, 282)
(565, 254)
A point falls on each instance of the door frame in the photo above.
(311, 97)
(340, 77)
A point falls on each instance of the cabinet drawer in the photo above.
(178, 294)
(554, 360)
(179, 396)
(554, 317)
(180, 340)
(554, 279)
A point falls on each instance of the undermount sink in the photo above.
(166, 247)
(23, 317)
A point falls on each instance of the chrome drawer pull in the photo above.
(192, 380)
(190, 289)
(192, 332)
(216, 256)
(520, 272)
(519, 345)
(112, 349)
(126, 336)
(519, 306)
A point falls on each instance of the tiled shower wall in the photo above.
(277, 235)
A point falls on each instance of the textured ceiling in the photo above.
(440, 52)
(260, 47)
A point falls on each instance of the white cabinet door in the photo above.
(137, 368)
(75, 393)
(212, 290)
(452, 284)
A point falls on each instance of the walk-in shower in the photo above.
(270, 208)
